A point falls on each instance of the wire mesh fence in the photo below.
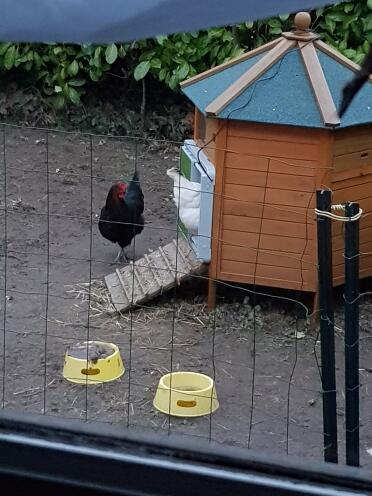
(257, 344)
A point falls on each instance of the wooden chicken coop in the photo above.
(267, 122)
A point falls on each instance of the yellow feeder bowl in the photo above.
(186, 394)
(104, 363)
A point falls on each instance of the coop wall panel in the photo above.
(352, 181)
(268, 217)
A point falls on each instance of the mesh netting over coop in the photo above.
(268, 123)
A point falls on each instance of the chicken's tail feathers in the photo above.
(134, 189)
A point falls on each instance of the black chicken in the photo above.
(121, 218)
(353, 86)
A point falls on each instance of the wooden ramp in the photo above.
(153, 274)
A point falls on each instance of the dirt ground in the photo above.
(267, 380)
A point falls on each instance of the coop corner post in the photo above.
(218, 202)
(327, 338)
(352, 335)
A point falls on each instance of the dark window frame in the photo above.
(52, 456)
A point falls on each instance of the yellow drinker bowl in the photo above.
(93, 362)
(186, 394)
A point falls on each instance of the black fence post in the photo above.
(352, 335)
(327, 337)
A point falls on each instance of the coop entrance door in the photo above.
(196, 167)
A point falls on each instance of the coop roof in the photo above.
(294, 80)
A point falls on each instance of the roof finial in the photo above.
(302, 21)
(301, 31)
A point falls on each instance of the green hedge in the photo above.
(62, 72)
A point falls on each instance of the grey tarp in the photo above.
(106, 21)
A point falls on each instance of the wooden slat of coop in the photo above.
(353, 181)
(246, 161)
(339, 280)
(355, 159)
(245, 177)
(249, 194)
(356, 193)
(291, 182)
(290, 245)
(274, 212)
(239, 239)
(365, 262)
(364, 248)
(281, 259)
(365, 237)
(361, 172)
(254, 194)
(270, 276)
(251, 269)
(268, 226)
(293, 166)
(272, 149)
(273, 180)
(267, 242)
(365, 268)
(241, 223)
(290, 198)
(288, 229)
(273, 132)
(352, 140)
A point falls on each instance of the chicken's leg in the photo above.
(120, 256)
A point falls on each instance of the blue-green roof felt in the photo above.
(283, 94)
(337, 75)
(203, 92)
